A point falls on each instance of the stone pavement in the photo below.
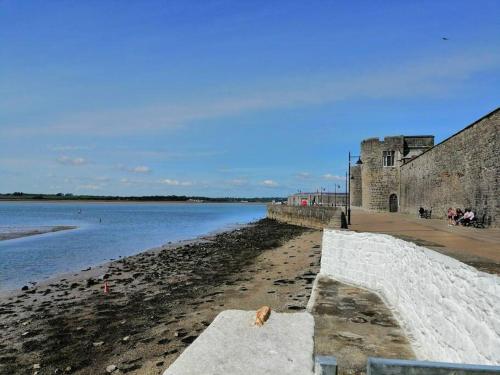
(353, 324)
(479, 248)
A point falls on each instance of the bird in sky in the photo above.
(444, 38)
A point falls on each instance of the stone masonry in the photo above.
(317, 217)
(378, 181)
(356, 186)
(462, 171)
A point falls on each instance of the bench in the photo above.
(479, 223)
(425, 214)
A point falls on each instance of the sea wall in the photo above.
(318, 217)
(462, 171)
(450, 310)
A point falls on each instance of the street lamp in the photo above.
(348, 205)
(335, 194)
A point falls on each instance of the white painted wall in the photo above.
(451, 311)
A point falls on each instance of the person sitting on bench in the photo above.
(451, 214)
(458, 215)
(468, 216)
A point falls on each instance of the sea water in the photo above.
(104, 231)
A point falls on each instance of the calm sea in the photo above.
(125, 229)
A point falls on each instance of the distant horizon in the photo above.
(70, 196)
(216, 98)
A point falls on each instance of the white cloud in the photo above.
(88, 187)
(303, 175)
(332, 177)
(269, 183)
(137, 169)
(433, 75)
(68, 148)
(141, 169)
(238, 182)
(137, 182)
(170, 182)
(240, 169)
(101, 178)
(66, 160)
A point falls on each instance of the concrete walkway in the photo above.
(479, 248)
(353, 324)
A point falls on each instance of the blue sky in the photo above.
(228, 98)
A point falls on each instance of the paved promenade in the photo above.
(479, 248)
(353, 324)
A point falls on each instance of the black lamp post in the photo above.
(347, 209)
(335, 194)
(348, 185)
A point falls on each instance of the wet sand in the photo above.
(159, 301)
(25, 232)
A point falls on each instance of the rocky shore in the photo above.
(159, 301)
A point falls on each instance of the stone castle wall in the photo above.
(356, 188)
(317, 217)
(462, 171)
(379, 182)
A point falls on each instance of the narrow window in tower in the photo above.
(388, 158)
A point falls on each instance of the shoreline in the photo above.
(160, 300)
(26, 232)
(95, 270)
(119, 201)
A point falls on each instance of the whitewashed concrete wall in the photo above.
(234, 345)
(450, 310)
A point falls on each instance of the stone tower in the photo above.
(356, 188)
(375, 184)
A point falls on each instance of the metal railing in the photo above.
(327, 365)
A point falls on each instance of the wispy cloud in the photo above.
(238, 182)
(141, 169)
(69, 148)
(171, 182)
(332, 177)
(429, 76)
(165, 155)
(88, 187)
(303, 175)
(269, 183)
(66, 160)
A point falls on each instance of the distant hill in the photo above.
(148, 198)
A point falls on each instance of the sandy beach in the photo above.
(12, 233)
(159, 301)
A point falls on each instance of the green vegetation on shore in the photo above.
(148, 198)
